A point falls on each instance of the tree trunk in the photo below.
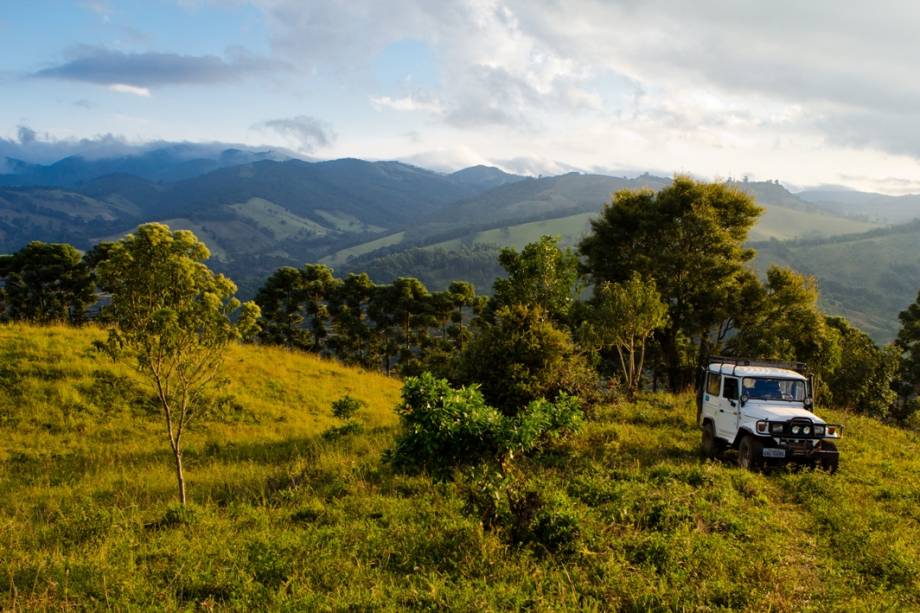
(180, 476)
(668, 343)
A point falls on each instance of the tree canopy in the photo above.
(44, 283)
(689, 238)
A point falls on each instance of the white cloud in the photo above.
(305, 132)
(134, 90)
(406, 103)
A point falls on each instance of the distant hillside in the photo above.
(254, 217)
(515, 214)
(484, 177)
(869, 278)
(878, 207)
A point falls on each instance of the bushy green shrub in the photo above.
(444, 428)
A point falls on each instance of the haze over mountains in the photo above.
(259, 210)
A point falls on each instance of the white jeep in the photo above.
(762, 409)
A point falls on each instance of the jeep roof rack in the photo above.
(799, 367)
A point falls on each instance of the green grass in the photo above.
(784, 223)
(276, 219)
(283, 518)
(342, 256)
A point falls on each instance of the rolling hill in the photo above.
(868, 278)
(868, 205)
(282, 517)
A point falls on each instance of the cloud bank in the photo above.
(138, 72)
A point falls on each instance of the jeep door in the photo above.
(711, 400)
(729, 409)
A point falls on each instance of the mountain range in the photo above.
(259, 210)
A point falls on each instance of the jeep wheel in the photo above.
(829, 461)
(750, 453)
(710, 446)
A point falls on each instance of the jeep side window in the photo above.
(730, 389)
(712, 384)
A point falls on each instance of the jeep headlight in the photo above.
(795, 429)
(819, 430)
(806, 430)
(776, 428)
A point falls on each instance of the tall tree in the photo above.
(689, 239)
(281, 303)
(542, 274)
(174, 318)
(44, 283)
(355, 340)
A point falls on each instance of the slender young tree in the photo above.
(624, 316)
(173, 317)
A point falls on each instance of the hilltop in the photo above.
(285, 518)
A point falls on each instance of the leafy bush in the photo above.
(444, 428)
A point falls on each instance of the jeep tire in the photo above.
(829, 461)
(750, 453)
(710, 446)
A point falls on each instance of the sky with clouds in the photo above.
(819, 92)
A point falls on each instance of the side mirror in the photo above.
(809, 402)
(744, 399)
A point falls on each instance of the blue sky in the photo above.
(809, 93)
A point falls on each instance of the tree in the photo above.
(624, 316)
(44, 283)
(785, 322)
(540, 275)
(319, 285)
(523, 356)
(355, 341)
(281, 303)
(908, 341)
(174, 317)
(401, 315)
(865, 377)
(689, 239)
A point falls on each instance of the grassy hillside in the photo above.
(286, 519)
(869, 278)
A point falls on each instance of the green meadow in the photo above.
(285, 516)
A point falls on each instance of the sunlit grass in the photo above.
(282, 518)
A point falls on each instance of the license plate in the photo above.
(770, 452)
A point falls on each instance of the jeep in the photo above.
(762, 408)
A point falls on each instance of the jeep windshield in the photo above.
(757, 388)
